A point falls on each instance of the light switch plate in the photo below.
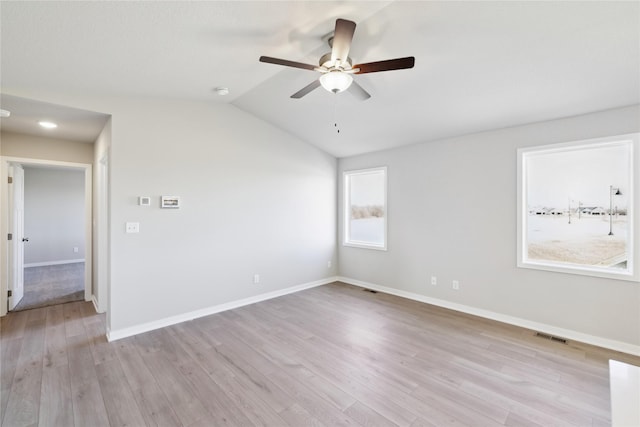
(144, 201)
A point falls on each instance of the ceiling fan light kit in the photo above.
(335, 66)
(336, 81)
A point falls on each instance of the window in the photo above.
(577, 207)
(365, 208)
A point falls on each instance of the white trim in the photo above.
(632, 272)
(95, 304)
(4, 245)
(46, 263)
(346, 182)
(516, 321)
(113, 335)
(354, 244)
(101, 261)
(88, 232)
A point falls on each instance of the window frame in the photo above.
(346, 241)
(631, 273)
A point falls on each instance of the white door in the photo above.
(16, 227)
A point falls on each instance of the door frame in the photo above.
(4, 221)
(101, 235)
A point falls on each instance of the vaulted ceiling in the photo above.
(480, 65)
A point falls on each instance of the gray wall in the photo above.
(255, 200)
(54, 217)
(452, 214)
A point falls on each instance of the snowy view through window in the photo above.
(365, 216)
(578, 206)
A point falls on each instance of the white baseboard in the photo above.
(487, 314)
(113, 335)
(516, 321)
(46, 263)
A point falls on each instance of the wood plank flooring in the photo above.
(330, 356)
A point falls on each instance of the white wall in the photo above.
(54, 217)
(452, 214)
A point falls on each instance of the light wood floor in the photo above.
(333, 355)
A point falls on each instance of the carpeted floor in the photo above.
(52, 284)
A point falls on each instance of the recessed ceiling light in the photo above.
(5, 113)
(47, 125)
(222, 91)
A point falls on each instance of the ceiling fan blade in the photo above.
(305, 90)
(358, 91)
(388, 65)
(287, 63)
(342, 37)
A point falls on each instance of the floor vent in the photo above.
(370, 290)
(551, 337)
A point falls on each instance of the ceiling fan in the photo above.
(336, 66)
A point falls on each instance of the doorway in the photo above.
(49, 233)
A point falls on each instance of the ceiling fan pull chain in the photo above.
(335, 112)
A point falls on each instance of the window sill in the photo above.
(364, 246)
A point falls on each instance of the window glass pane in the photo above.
(577, 208)
(366, 208)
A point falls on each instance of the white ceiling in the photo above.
(479, 65)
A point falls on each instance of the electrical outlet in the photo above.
(455, 285)
(256, 279)
(434, 280)
(328, 264)
(75, 249)
(133, 227)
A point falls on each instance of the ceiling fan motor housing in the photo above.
(325, 61)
